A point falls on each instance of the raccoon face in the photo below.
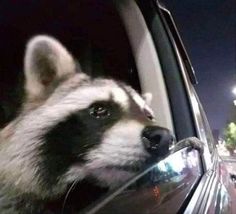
(71, 126)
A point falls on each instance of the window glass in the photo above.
(203, 124)
(164, 188)
(207, 128)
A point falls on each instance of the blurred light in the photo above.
(234, 90)
(176, 162)
(235, 102)
(162, 166)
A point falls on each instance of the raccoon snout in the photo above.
(157, 140)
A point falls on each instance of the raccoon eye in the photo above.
(99, 111)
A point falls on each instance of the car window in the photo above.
(163, 188)
(208, 132)
(189, 77)
(166, 49)
(204, 130)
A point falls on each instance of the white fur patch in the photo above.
(120, 97)
(121, 146)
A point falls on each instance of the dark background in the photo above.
(208, 32)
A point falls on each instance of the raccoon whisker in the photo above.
(67, 194)
(81, 154)
(86, 146)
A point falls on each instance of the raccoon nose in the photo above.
(157, 140)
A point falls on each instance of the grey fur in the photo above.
(55, 90)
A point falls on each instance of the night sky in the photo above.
(208, 32)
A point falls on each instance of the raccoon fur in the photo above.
(70, 127)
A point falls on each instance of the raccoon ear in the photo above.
(46, 61)
(147, 97)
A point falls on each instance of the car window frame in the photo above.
(178, 67)
(208, 159)
(180, 106)
(188, 78)
(147, 61)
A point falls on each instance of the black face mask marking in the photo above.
(69, 141)
(100, 111)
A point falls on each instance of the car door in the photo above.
(186, 181)
(217, 195)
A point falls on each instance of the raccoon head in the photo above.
(71, 126)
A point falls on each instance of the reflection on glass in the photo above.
(162, 189)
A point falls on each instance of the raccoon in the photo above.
(70, 127)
